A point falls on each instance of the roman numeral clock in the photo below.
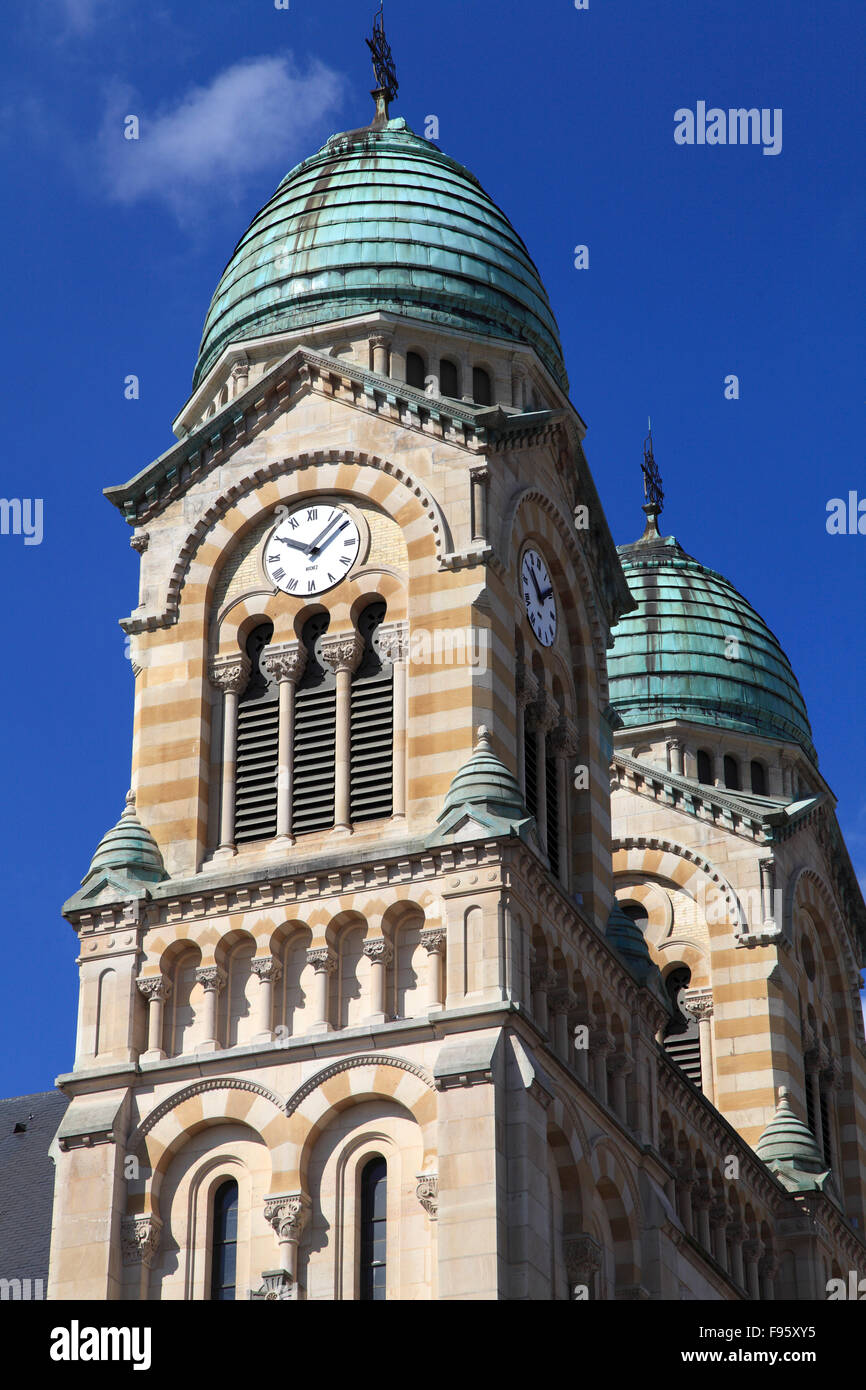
(312, 549)
(538, 596)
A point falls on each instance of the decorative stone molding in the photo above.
(427, 1192)
(241, 369)
(561, 1001)
(391, 641)
(564, 739)
(342, 652)
(698, 1003)
(154, 987)
(322, 958)
(230, 673)
(621, 1064)
(630, 844)
(285, 661)
(139, 1238)
(379, 950)
(210, 977)
(528, 688)
(217, 1083)
(543, 713)
(276, 1286)
(368, 1059)
(266, 967)
(433, 939)
(288, 1214)
(140, 541)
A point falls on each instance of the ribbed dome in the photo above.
(673, 656)
(789, 1140)
(130, 849)
(381, 220)
(485, 781)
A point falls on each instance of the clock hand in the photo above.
(535, 584)
(316, 542)
(546, 595)
(297, 545)
(318, 548)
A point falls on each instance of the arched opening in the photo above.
(224, 1245)
(758, 774)
(682, 1041)
(482, 391)
(705, 768)
(374, 1228)
(449, 378)
(416, 371)
(732, 773)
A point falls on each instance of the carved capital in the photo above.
(480, 474)
(391, 641)
(285, 661)
(140, 541)
(564, 739)
(600, 1041)
(560, 1001)
(379, 950)
(288, 1215)
(582, 1258)
(210, 977)
(139, 1239)
(752, 1250)
(769, 1265)
(698, 1003)
(719, 1214)
(427, 1192)
(433, 940)
(322, 958)
(266, 967)
(621, 1064)
(543, 714)
(241, 369)
(154, 987)
(527, 688)
(380, 340)
(342, 652)
(230, 673)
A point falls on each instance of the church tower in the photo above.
(359, 1016)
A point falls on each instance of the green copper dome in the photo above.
(789, 1140)
(485, 781)
(381, 220)
(129, 850)
(695, 650)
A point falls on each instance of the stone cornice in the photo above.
(473, 429)
(692, 798)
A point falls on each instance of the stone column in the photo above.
(752, 1252)
(768, 891)
(156, 990)
(737, 1231)
(379, 953)
(240, 378)
(288, 1215)
(621, 1067)
(212, 978)
(564, 744)
(268, 970)
(675, 750)
(324, 962)
(480, 478)
(768, 1268)
(701, 1203)
(392, 643)
(379, 343)
(433, 940)
(285, 664)
(230, 675)
(685, 1181)
(720, 769)
(699, 1003)
(581, 1054)
(719, 1217)
(538, 978)
(600, 1044)
(342, 654)
(560, 1001)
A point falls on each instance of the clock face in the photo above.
(538, 597)
(312, 549)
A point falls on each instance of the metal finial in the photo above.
(387, 85)
(652, 478)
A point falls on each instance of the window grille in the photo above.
(256, 758)
(372, 726)
(314, 738)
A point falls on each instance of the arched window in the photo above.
(449, 378)
(258, 724)
(705, 768)
(372, 726)
(224, 1245)
(415, 370)
(732, 773)
(314, 737)
(682, 1039)
(482, 392)
(638, 914)
(374, 1198)
(759, 778)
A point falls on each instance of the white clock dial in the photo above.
(312, 549)
(538, 597)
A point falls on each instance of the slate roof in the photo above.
(27, 1183)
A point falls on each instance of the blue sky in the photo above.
(704, 261)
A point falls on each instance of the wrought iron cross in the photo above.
(383, 61)
(652, 478)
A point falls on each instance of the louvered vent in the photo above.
(372, 726)
(530, 768)
(256, 762)
(313, 759)
(552, 804)
(685, 1050)
(825, 1129)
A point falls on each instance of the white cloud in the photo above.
(81, 14)
(254, 114)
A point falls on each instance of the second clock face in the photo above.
(538, 597)
(312, 549)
